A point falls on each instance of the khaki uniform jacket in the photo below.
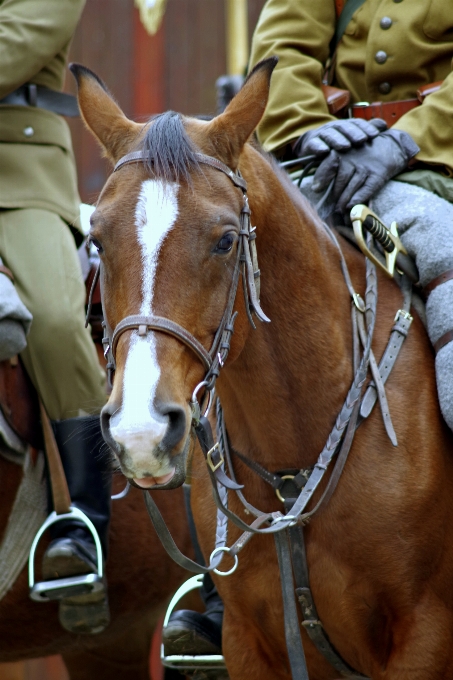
(417, 49)
(37, 168)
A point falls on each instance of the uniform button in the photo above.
(381, 57)
(28, 131)
(385, 88)
(397, 0)
(385, 23)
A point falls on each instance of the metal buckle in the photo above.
(358, 215)
(224, 549)
(184, 661)
(404, 314)
(72, 585)
(209, 457)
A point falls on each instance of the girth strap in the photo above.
(158, 323)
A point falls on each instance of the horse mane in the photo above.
(169, 151)
(171, 155)
(291, 189)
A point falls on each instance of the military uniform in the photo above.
(38, 200)
(389, 49)
(39, 206)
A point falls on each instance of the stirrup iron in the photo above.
(70, 586)
(183, 662)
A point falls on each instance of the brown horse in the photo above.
(141, 579)
(380, 554)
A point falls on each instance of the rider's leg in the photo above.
(425, 222)
(60, 357)
(62, 363)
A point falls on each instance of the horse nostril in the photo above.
(176, 425)
(106, 414)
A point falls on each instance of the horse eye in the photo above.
(96, 244)
(225, 244)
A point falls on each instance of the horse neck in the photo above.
(282, 394)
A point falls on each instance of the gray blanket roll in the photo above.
(15, 320)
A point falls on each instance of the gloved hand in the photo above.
(360, 173)
(340, 135)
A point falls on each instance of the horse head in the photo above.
(168, 231)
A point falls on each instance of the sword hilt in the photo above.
(380, 232)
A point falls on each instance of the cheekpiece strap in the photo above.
(140, 157)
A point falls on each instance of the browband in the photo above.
(141, 157)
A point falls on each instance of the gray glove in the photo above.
(360, 173)
(340, 135)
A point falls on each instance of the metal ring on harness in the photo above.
(121, 494)
(277, 491)
(233, 568)
(195, 406)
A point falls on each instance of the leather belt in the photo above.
(391, 112)
(44, 98)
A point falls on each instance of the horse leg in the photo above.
(126, 657)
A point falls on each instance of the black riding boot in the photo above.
(72, 552)
(196, 634)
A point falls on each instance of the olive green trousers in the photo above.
(60, 358)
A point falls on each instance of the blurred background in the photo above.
(197, 41)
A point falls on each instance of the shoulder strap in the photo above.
(349, 8)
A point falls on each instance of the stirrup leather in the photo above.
(70, 586)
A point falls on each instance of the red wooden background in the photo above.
(175, 69)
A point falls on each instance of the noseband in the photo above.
(246, 263)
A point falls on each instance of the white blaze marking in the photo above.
(137, 424)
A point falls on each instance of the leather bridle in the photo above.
(286, 528)
(246, 264)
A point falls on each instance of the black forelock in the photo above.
(170, 153)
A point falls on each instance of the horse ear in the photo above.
(231, 129)
(102, 115)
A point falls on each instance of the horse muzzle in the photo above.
(149, 451)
